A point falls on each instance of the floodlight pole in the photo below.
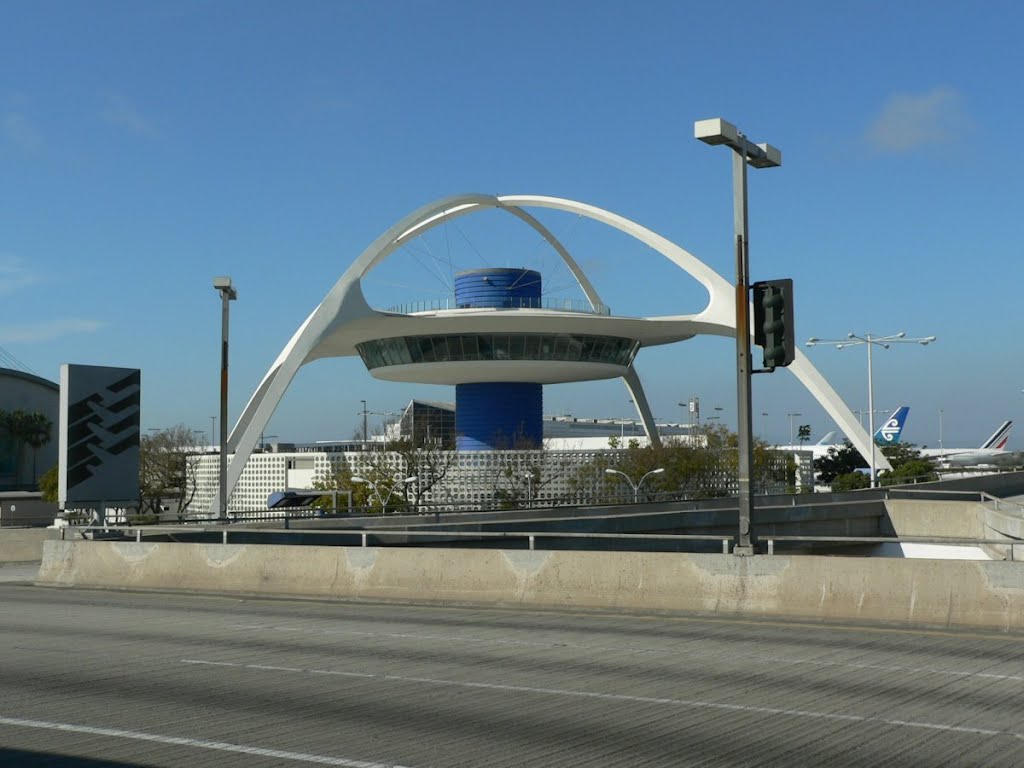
(227, 294)
(870, 340)
(718, 131)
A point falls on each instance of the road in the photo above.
(94, 678)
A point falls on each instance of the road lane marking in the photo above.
(622, 697)
(219, 746)
(633, 649)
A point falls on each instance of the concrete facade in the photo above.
(26, 392)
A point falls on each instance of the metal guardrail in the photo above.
(531, 536)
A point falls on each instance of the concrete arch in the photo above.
(719, 316)
(345, 305)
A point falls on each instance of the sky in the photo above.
(147, 147)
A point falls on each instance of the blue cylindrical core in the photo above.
(498, 415)
(497, 287)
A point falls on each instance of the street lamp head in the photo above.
(358, 479)
(901, 334)
(657, 471)
(926, 341)
(851, 336)
(812, 341)
(223, 284)
(716, 131)
(412, 479)
(770, 157)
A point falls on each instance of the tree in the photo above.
(907, 464)
(168, 464)
(31, 428)
(339, 479)
(429, 462)
(851, 481)
(691, 471)
(49, 483)
(839, 461)
(804, 433)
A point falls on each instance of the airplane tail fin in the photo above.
(891, 429)
(999, 438)
(829, 438)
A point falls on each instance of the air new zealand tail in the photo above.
(891, 429)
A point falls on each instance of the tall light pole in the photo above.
(366, 433)
(940, 434)
(635, 486)
(868, 340)
(791, 416)
(228, 294)
(213, 430)
(717, 131)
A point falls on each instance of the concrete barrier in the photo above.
(24, 545)
(953, 519)
(907, 592)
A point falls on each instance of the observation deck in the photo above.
(580, 306)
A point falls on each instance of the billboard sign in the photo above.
(100, 418)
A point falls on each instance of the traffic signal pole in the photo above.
(714, 132)
(744, 409)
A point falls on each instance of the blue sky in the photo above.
(146, 147)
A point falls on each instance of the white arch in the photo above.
(345, 305)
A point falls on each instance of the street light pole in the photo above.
(227, 294)
(868, 340)
(717, 131)
(940, 435)
(636, 486)
(791, 415)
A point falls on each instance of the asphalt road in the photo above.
(92, 678)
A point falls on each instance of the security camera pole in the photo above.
(718, 131)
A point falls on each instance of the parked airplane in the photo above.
(887, 434)
(991, 453)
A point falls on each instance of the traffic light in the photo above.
(773, 321)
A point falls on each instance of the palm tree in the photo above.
(26, 428)
(36, 428)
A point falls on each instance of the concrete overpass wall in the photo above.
(24, 545)
(906, 592)
(955, 519)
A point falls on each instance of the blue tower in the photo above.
(496, 415)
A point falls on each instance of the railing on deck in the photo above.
(558, 305)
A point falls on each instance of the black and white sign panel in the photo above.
(100, 417)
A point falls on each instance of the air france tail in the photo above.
(891, 429)
(998, 440)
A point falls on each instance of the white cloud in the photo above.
(18, 130)
(14, 276)
(910, 121)
(47, 331)
(120, 111)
